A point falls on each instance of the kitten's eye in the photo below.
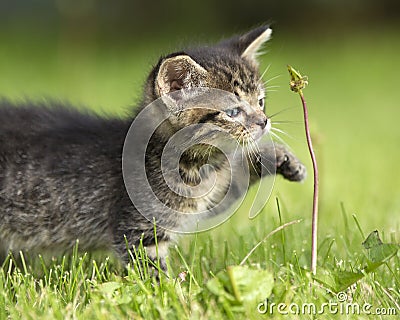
(261, 103)
(234, 112)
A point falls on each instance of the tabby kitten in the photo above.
(61, 173)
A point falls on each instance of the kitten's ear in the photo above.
(178, 72)
(248, 45)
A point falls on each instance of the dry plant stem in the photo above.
(265, 239)
(315, 196)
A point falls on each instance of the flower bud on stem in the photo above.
(297, 84)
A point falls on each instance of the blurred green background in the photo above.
(96, 54)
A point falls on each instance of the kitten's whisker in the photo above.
(274, 135)
(253, 155)
(265, 71)
(273, 78)
(280, 131)
(279, 112)
(254, 145)
(255, 152)
(287, 122)
(283, 132)
(238, 145)
(271, 87)
(266, 168)
(237, 148)
(245, 143)
(234, 152)
(250, 159)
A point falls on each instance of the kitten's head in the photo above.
(231, 66)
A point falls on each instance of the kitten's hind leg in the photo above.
(156, 255)
(159, 253)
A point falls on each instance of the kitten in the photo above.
(61, 173)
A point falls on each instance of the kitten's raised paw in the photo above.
(290, 167)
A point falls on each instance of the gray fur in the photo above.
(60, 170)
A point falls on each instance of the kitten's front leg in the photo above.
(288, 165)
(275, 158)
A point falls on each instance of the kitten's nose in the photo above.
(263, 122)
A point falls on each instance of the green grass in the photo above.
(353, 104)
